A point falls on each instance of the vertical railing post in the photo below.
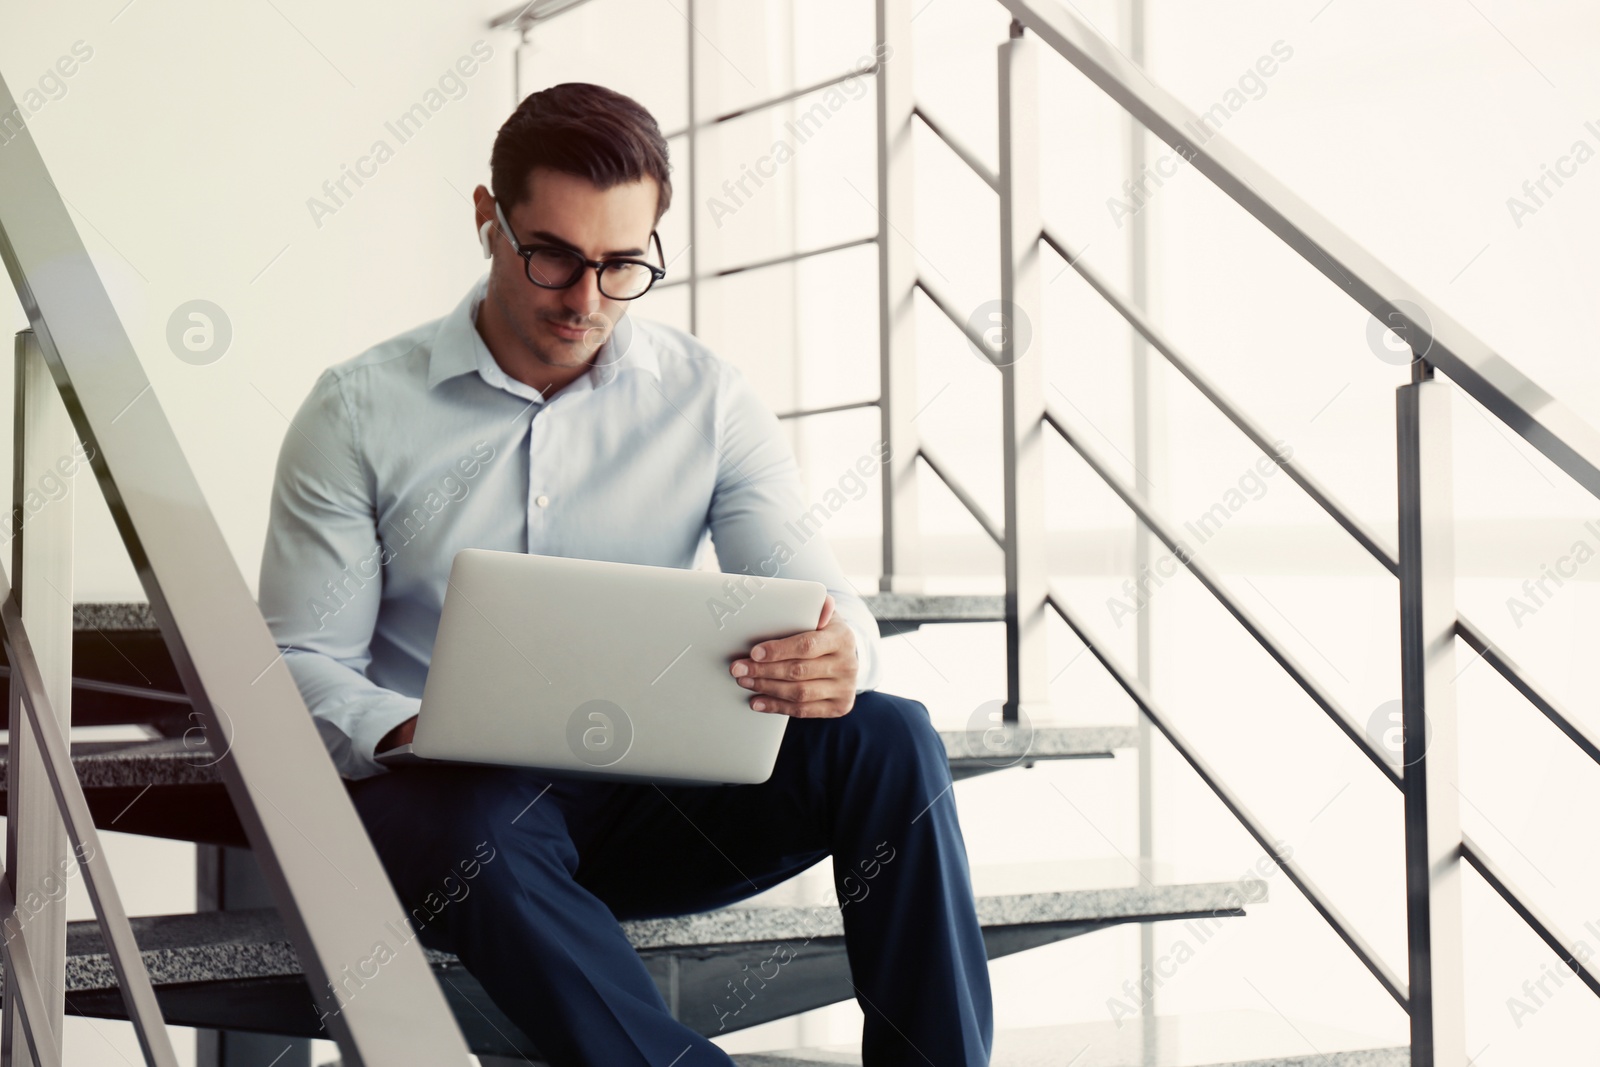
(43, 462)
(1021, 359)
(897, 276)
(1146, 422)
(1428, 721)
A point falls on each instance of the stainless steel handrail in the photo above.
(1365, 536)
(1436, 340)
(1565, 439)
(1464, 368)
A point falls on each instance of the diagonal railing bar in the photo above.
(23, 977)
(967, 500)
(1474, 639)
(805, 413)
(121, 689)
(1291, 666)
(1565, 439)
(133, 979)
(771, 261)
(943, 303)
(1258, 436)
(288, 795)
(963, 153)
(1559, 943)
(1376, 546)
(867, 70)
(1391, 982)
(1531, 691)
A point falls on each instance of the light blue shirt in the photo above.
(422, 446)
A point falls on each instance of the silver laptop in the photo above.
(612, 670)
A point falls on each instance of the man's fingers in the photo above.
(827, 612)
(802, 692)
(808, 645)
(821, 709)
(793, 670)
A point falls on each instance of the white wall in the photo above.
(188, 146)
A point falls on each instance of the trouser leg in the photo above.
(546, 950)
(872, 788)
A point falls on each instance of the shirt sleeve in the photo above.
(321, 580)
(759, 504)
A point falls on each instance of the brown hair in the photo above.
(578, 128)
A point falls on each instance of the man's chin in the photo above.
(562, 352)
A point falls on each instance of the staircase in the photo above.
(237, 970)
(172, 666)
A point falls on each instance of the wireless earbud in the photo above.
(483, 239)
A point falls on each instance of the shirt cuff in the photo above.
(372, 728)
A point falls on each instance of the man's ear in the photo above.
(483, 239)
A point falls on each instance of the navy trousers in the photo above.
(525, 876)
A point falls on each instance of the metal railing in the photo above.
(1435, 847)
(334, 896)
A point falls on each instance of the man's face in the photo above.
(565, 327)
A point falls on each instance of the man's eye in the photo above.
(551, 265)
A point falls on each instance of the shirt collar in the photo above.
(458, 349)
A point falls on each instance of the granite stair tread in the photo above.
(189, 760)
(112, 616)
(251, 943)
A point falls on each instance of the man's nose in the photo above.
(583, 296)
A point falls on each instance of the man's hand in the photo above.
(400, 735)
(810, 675)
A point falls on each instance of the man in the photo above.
(540, 417)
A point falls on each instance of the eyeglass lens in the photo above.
(558, 268)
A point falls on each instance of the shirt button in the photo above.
(543, 501)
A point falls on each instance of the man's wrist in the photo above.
(400, 735)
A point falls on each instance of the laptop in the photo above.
(599, 669)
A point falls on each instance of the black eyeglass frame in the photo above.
(581, 264)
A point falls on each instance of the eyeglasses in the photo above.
(556, 267)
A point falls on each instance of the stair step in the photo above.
(124, 674)
(128, 616)
(1212, 1039)
(899, 613)
(237, 970)
(170, 787)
